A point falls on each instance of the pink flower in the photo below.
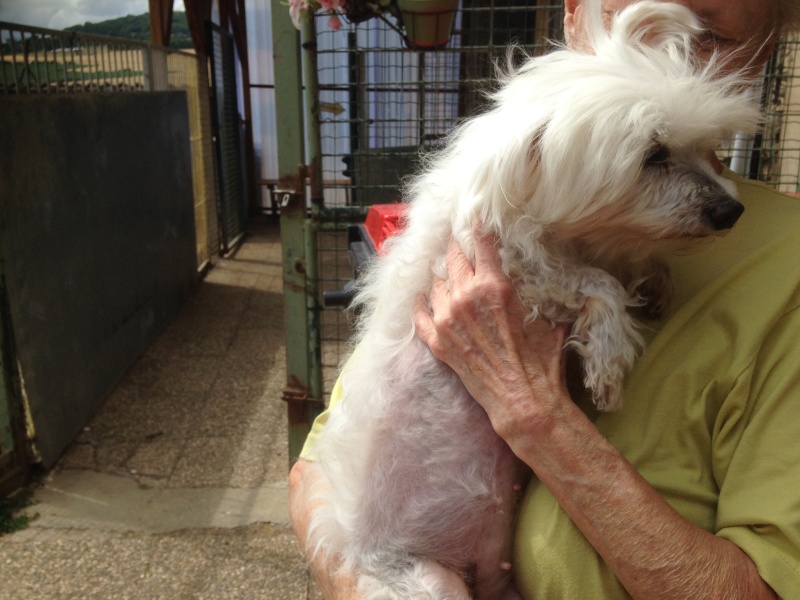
(330, 4)
(334, 23)
(295, 6)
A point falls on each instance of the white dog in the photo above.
(587, 166)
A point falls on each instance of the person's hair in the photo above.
(786, 14)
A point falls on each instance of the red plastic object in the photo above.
(383, 221)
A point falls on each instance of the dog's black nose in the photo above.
(724, 213)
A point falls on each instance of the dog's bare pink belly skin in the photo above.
(442, 484)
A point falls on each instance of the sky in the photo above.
(59, 14)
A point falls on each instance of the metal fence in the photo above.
(43, 61)
(383, 105)
(773, 156)
(231, 184)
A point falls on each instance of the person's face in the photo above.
(744, 26)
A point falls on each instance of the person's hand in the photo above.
(476, 324)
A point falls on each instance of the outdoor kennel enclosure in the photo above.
(369, 106)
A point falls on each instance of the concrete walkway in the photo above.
(178, 487)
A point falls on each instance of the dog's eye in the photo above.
(659, 155)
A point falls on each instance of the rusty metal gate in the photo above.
(375, 106)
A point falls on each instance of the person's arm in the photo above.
(476, 324)
(334, 584)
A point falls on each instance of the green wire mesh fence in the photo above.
(383, 105)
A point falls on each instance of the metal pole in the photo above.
(308, 36)
(298, 235)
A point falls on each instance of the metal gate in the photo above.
(396, 104)
(232, 203)
(382, 105)
(37, 61)
(373, 107)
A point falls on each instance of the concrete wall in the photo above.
(98, 242)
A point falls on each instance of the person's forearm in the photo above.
(515, 368)
(651, 548)
(334, 584)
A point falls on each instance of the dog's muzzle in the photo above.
(724, 213)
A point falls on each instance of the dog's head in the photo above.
(611, 146)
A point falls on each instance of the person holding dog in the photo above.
(689, 491)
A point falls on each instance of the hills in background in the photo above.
(137, 27)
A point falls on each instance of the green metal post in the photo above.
(308, 36)
(298, 236)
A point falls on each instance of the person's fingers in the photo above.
(459, 268)
(487, 255)
(440, 290)
(423, 321)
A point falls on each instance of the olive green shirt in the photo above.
(712, 412)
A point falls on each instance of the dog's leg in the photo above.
(422, 580)
(603, 333)
(652, 282)
(605, 336)
(648, 282)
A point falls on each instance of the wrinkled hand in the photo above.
(475, 323)
(516, 371)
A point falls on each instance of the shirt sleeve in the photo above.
(319, 423)
(759, 500)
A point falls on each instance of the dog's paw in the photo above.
(606, 396)
(655, 289)
(606, 339)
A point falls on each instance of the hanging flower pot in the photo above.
(424, 24)
(427, 23)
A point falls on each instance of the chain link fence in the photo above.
(383, 105)
(773, 156)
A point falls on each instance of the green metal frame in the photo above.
(303, 393)
(304, 216)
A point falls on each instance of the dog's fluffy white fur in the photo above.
(588, 165)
